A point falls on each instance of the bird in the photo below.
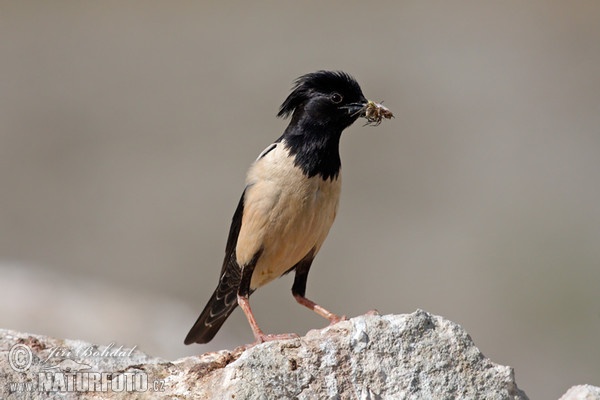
(289, 202)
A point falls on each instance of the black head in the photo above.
(330, 99)
(322, 104)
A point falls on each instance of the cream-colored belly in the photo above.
(286, 215)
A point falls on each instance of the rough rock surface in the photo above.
(582, 392)
(414, 356)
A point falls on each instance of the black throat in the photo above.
(315, 149)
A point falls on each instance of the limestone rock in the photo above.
(582, 392)
(414, 356)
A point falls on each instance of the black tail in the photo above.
(219, 307)
(224, 299)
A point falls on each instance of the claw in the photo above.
(337, 318)
(262, 338)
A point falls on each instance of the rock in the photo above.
(582, 392)
(414, 356)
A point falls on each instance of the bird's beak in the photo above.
(357, 109)
(373, 112)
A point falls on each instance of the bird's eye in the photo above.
(336, 98)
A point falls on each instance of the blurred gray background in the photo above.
(126, 129)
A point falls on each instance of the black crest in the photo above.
(318, 82)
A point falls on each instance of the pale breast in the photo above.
(285, 213)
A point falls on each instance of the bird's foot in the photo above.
(262, 338)
(334, 319)
(277, 336)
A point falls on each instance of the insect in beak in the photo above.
(376, 112)
(373, 112)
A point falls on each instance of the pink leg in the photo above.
(333, 318)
